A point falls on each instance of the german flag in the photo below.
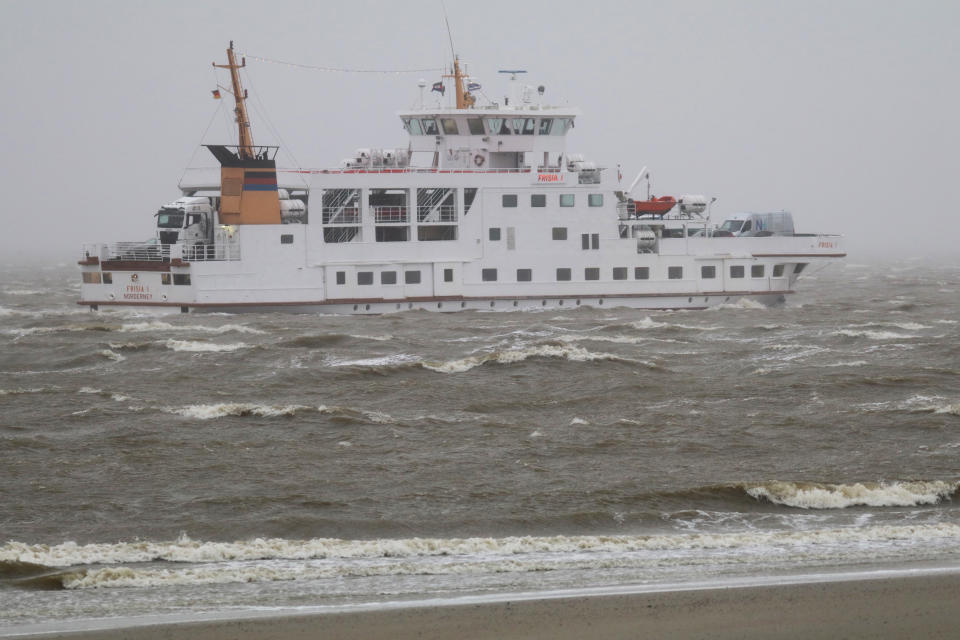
(259, 181)
(216, 94)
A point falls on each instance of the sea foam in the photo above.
(841, 496)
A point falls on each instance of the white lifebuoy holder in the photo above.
(478, 160)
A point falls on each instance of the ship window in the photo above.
(286, 238)
(545, 126)
(566, 200)
(538, 200)
(448, 275)
(619, 273)
(509, 200)
(392, 234)
(524, 275)
(411, 277)
(489, 275)
(430, 127)
(591, 273)
(365, 277)
(388, 277)
(641, 273)
(498, 126)
(494, 234)
(559, 233)
(800, 267)
(341, 277)
(563, 274)
(476, 126)
(584, 241)
(595, 241)
(756, 271)
(736, 271)
(91, 277)
(675, 273)
(778, 271)
(523, 126)
(561, 125)
(595, 200)
(181, 278)
(708, 272)
(413, 126)
(428, 233)
(165, 278)
(449, 126)
(107, 277)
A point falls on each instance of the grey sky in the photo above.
(843, 112)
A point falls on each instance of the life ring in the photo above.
(478, 160)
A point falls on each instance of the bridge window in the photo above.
(509, 200)
(545, 126)
(449, 126)
(523, 126)
(476, 126)
(430, 127)
(560, 126)
(524, 275)
(413, 126)
(567, 200)
(498, 126)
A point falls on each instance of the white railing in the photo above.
(437, 213)
(389, 214)
(403, 170)
(228, 249)
(341, 215)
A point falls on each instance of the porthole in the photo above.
(366, 308)
(355, 307)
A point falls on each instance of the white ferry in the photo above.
(484, 209)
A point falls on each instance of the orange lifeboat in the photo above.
(655, 206)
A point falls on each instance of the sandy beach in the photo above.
(905, 606)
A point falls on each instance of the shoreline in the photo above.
(883, 604)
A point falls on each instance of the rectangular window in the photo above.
(559, 233)
(563, 274)
(286, 238)
(388, 277)
(447, 275)
(476, 126)
(675, 273)
(449, 126)
(595, 241)
(545, 126)
(181, 278)
(413, 126)
(595, 200)
(566, 200)
(778, 271)
(509, 200)
(494, 233)
(91, 277)
(524, 275)
(756, 271)
(641, 273)
(708, 272)
(591, 273)
(412, 277)
(538, 200)
(165, 278)
(341, 277)
(619, 273)
(107, 277)
(364, 277)
(800, 267)
(489, 275)
(584, 241)
(736, 271)
(430, 127)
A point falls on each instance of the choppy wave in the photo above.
(238, 409)
(195, 346)
(519, 354)
(273, 559)
(111, 355)
(872, 334)
(159, 325)
(841, 496)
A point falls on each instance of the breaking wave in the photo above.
(204, 347)
(871, 334)
(159, 325)
(237, 409)
(841, 496)
(511, 356)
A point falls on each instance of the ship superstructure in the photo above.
(484, 209)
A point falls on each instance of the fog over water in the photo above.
(842, 112)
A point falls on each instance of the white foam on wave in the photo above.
(23, 292)
(873, 335)
(270, 559)
(841, 496)
(159, 325)
(851, 363)
(742, 303)
(381, 361)
(383, 338)
(17, 392)
(111, 355)
(194, 346)
(519, 354)
(224, 409)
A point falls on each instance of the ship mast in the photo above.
(245, 146)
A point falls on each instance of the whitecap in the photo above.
(203, 347)
(224, 409)
(111, 355)
(873, 335)
(840, 496)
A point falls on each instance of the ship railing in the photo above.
(626, 210)
(401, 170)
(389, 214)
(228, 249)
(437, 213)
(341, 215)
(546, 168)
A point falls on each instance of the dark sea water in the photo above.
(183, 463)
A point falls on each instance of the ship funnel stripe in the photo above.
(259, 187)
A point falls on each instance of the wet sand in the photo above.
(912, 606)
